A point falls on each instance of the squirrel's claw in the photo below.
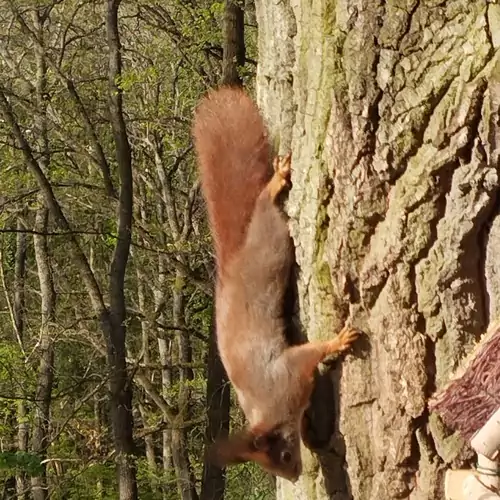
(347, 336)
(281, 177)
(343, 340)
(282, 165)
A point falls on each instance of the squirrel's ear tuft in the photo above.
(235, 449)
(261, 442)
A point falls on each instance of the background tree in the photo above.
(391, 111)
(218, 395)
(105, 253)
(233, 49)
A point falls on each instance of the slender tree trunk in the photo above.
(40, 438)
(234, 43)
(149, 333)
(148, 443)
(18, 311)
(168, 463)
(120, 405)
(165, 355)
(175, 451)
(218, 406)
(145, 329)
(183, 471)
(100, 427)
(391, 113)
(180, 453)
(114, 322)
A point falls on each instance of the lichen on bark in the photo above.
(391, 112)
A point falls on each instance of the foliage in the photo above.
(171, 53)
(13, 462)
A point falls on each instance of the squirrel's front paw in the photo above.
(281, 177)
(347, 336)
(342, 341)
(282, 167)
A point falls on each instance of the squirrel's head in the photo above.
(276, 450)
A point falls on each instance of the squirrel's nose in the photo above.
(297, 471)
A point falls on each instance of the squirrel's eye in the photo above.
(286, 456)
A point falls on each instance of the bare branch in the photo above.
(70, 86)
(160, 402)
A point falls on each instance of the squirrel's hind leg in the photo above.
(281, 177)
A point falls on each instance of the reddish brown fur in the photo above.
(254, 251)
(233, 153)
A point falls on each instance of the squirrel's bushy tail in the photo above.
(231, 142)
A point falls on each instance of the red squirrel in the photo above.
(254, 255)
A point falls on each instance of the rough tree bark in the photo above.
(391, 112)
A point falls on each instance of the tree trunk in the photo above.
(234, 43)
(168, 464)
(43, 395)
(175, 442)
(18, 312)
(186, 483)
(391, 114)
(145, 330)
(149, 444)
(165, 356)
(218, 405)
(101, 444)
(114, 322)
(40, 439)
